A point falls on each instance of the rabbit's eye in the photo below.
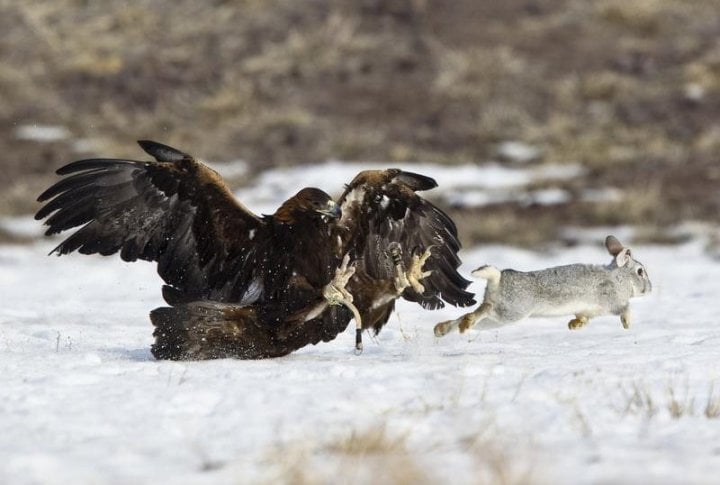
(640, 271)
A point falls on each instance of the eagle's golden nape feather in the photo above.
(307, 203)
(243, 286)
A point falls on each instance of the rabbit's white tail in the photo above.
(487, 272)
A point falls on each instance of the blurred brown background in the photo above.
(628, 89)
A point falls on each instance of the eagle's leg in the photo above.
(336, 294)
(411, 277)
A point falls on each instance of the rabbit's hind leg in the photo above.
(464, 322)
(444, 328)
(578, 322)
(468, 321)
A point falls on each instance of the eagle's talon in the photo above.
(413, 276)
(335, 292)
(417, 286)
(333, 295)
(423, 257)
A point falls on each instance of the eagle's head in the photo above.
(308, 204)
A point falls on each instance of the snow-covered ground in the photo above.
(83, 401)
(460, 185)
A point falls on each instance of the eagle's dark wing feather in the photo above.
(424, 226)
(175, 211)
(243, 286)
(381, 210)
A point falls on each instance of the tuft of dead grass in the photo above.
(639, 400)
(678, 402)
(369, 456)
(374, 455)
(712, 406)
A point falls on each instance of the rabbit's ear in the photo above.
(613, 246)
(622, 258)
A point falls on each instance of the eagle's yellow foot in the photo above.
(411, 277)
(336, 294)
(577, 322)
(416, 271)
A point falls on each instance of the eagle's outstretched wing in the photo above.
(175, 211)
(384, 223)
(250, 287)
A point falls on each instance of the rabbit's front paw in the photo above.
(626, 319)
(578, 322)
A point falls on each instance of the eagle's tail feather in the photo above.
(173, 296)
(208, 330)
(170, 333)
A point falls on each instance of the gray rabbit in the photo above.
(583, 290)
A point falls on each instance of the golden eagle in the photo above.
(247, 286)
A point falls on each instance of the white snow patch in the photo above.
(22, 226)
(228, 170)
(42, 133)
(602, 194)
(82, 400)
(517, 151)
(480, 198)
(86, 145)
(272, 187)
(552, 196)
(694, 92)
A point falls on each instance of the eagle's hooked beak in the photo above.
(332, 210)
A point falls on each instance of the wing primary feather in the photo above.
(163, 153)
(77, 181)
(71, 199)
(73, 242)
(94, 163)
(72, 215)
(416, 181)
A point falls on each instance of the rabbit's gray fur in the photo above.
(583, 290)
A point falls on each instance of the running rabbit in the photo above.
(584, 290)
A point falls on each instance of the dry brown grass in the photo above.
(370, 456)
(630, 90)
(677, 401)
(377, 456)
(712, 406)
